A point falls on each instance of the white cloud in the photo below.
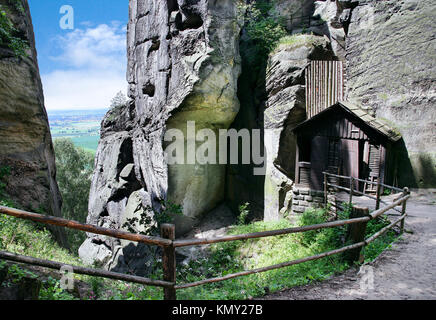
(82, 89)
(92, 68)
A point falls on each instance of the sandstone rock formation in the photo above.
(186, 63)
(25, 140)
(285, 109)
(362, 34)
(183, 66)
(391, 69)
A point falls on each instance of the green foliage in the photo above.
(375, 248)
(74, 171)
(51, 290)
(168, 213)
(263, 24)
(387, 192)
(297, 40)
(236, 256)
(26, 238)
(9, 36)
(117, 290)
(243, 213)
(119, 100)
(153, 219)
(17, 274)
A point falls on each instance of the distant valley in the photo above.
(82, 126)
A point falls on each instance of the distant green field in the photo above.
(89, 143)
(81, 126)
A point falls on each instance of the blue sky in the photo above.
(85, 67)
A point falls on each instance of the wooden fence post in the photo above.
(403, 210)
(168, 231)
(351, 190)
(378, 194)
(356, 233)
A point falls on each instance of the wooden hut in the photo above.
(345, 139)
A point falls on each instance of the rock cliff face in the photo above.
(183, 66)
(285, 109)
(25, 140)
(387, 48)
(391, 69)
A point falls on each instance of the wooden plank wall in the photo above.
(324, 85)
(338, 126)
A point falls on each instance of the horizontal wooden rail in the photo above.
(384, 230)
(365, 181)
(338, 187)
(380, 211)
(337, 175)
(169, 244)
(263, 234)
(364, 194)
(82, 270)
(359, 193)
(84, 227)
(391, 187)
(276, 266)
(294, 262)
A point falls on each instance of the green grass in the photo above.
(31, 239)
(245, 255)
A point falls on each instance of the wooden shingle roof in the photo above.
(378, 124)
(357, 111)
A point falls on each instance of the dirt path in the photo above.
(406, 271)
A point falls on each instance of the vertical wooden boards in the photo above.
(350, 158)
(318, 161)
(324, 85)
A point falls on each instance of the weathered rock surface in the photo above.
(25, 140)
(389, 50)
(285, 109)
(391, 68)
(183, 66)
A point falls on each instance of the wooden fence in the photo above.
(357, 225)
(352, 190)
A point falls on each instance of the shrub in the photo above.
(154, 220)
(263, 24)
(119, 100)
(8, 34)
(243, 213)
(74, 171)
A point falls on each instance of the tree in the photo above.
(74, 172)
(119, 100)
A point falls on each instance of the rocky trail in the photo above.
(404, 272)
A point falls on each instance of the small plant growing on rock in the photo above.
(243, 213)
(8, 34)
(153, 219)
(119, 100)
